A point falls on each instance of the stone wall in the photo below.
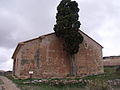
(89, 58)
(111, 61)
(17, 64)
(46, 58)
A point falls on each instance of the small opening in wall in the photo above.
(86, 45)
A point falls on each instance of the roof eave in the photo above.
(17, 49)
(91, 38)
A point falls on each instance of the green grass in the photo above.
(45, 86)
(77, 86)
(110, 69)
(105, 76)
(30, 87)
(109, 74)
(1, 82)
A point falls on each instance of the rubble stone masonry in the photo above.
(111, 61)
(46, 58)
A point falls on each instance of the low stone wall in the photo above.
(115, 82)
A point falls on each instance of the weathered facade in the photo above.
(46, 58)
(2, 72)
(111, 61)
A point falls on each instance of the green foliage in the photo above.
(67, 25)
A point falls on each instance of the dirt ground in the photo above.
(7, 84)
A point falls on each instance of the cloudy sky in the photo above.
(22, 20)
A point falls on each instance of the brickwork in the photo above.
(46, 58)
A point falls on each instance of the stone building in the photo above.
(45, 57)
(111, 61)
(2, 72)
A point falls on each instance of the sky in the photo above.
(22, 20)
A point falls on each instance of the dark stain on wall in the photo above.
(24, 61)
(37, 57)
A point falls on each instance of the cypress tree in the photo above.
(67, 27)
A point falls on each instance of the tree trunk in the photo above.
(73, 67)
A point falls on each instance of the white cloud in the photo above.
(5, 59)
(25, 19)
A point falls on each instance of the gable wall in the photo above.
(46, 58)
(89, 58)
(17, 64)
